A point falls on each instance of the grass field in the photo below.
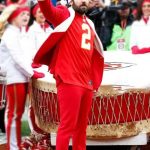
(25, 130)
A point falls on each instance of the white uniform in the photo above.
(38, 35)
(139, 34)
(16, 60)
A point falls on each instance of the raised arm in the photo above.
(54, 15)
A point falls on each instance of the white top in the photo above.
(140, 33)
(14, 55)
(38, 35)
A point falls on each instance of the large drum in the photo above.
(2, 90)
(120, 108)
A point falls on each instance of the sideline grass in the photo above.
(25, 130)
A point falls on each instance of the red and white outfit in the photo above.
(140, 39)
(139, 43)
(18, 67)
(15, 48)
(38, 34)
(16, 61)
(73, 53)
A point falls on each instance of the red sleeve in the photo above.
(136, 50)
(54, 15)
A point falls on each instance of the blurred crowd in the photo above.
(113, 20)
(120, 24)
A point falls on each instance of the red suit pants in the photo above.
(74, 103)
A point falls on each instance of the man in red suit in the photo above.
(74, 55)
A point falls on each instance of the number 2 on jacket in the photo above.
(85, 43)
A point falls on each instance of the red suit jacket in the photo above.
(47, 53)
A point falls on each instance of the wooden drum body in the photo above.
(120, 108)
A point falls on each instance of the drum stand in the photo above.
(2, 100)
(140, 139)
(3, 91)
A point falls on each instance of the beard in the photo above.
(80, 9)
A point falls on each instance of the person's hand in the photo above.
(135, 50)
(37, 75)
(34, 65)
(96, 3)
(99, 4)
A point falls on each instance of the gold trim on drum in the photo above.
(107, 132)
(44, 86)
(112, 90)
(115, 131)
(108, 90)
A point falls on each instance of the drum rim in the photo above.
(44, 86)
